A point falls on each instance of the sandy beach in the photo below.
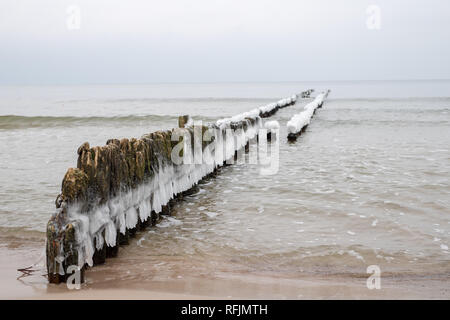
(107, 282)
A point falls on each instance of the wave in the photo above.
(12, 122)
(391, 99)
(392, 109)
(385, 122)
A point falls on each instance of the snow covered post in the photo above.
(272, 128)
(300, 121)
(272, 108)
(61, 238)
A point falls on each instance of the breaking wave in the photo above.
(12, 122)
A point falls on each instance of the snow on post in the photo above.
(270, 109)
(272, 129)
(300, 121)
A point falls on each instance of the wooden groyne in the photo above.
(124, 186)
(271, 109)
(300, 121)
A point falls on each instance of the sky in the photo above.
(138, 41)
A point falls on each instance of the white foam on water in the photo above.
(211, 214)
(169, 222)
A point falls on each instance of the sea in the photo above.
(367, 183)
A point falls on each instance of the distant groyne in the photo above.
(124, 186)
(300, 121)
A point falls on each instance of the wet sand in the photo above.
(110, 282)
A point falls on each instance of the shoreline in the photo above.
(222, 285)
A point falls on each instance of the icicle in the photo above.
(110, 234)
(131, 217)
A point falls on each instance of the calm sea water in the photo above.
(368, 183)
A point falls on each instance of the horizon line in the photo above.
(217, 82)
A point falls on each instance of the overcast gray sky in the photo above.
(138, 41)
